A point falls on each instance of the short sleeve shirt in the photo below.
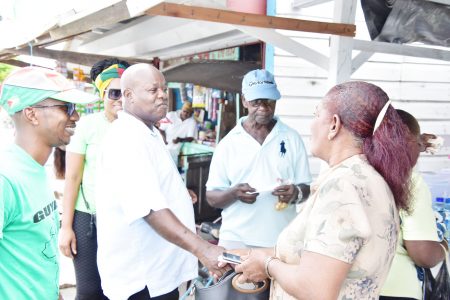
(136, 175)
(239, 158)
(350, 216)
(419, 225)
(29, 225)
(87, 140)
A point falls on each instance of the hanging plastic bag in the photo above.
(437, 288)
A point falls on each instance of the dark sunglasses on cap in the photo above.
(114, 94)
(69, 107)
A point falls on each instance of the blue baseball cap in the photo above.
(260, 84)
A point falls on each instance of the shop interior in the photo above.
(211, 82)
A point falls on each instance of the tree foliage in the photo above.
(4, 71)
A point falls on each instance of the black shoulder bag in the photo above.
(437, 288)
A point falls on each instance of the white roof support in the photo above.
(341, 47)
(401, 49)
(306, 3)
(360, 59)
(286, 43)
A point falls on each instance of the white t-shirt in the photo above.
(239, 158)
(177, 128)
(135, 174)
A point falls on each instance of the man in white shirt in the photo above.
(259, 171)
(179, 127)
(145, 217)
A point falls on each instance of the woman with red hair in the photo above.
(342, 243)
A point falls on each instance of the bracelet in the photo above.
(266, 266)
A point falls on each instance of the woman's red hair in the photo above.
(358, 104)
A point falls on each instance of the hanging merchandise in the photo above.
(189, 89)
(208, 92)
(215, 93)
(215, 107)
(198, 99)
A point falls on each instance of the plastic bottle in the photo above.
(438, 204)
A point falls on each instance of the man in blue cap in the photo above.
(41, 103)
(259, 171)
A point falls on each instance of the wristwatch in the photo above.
(299, 196)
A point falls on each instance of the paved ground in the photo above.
(67, 280)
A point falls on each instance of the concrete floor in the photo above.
(67, 280)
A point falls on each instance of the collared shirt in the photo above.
(136, 175)
(351, 216)
(239, 158)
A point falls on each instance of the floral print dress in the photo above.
(350, 216)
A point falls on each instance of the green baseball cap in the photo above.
(30, 85)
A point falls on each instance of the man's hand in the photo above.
(168, 226)
(208, 255)
(242, 192)
(286, 193)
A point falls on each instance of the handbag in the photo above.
(437, 288)
(227, 288)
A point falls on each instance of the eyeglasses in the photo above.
(114, 94)
(70, 107)
(260, 102)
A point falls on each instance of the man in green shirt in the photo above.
(41, 103)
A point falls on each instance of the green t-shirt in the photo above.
(29, 225)
(89, 134)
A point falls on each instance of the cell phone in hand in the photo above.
(230, 258)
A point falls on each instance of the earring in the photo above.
(330, 137)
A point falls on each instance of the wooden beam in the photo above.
(401, 49)
(14, 62)
(288, 44)
(84, 59)
(107, 16)
(246, 19)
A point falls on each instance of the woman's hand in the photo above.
(67, 242)
(252, 266)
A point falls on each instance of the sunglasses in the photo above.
(114, 94)
(260, 102)
(69, 107)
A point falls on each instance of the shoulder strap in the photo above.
(84, 198)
